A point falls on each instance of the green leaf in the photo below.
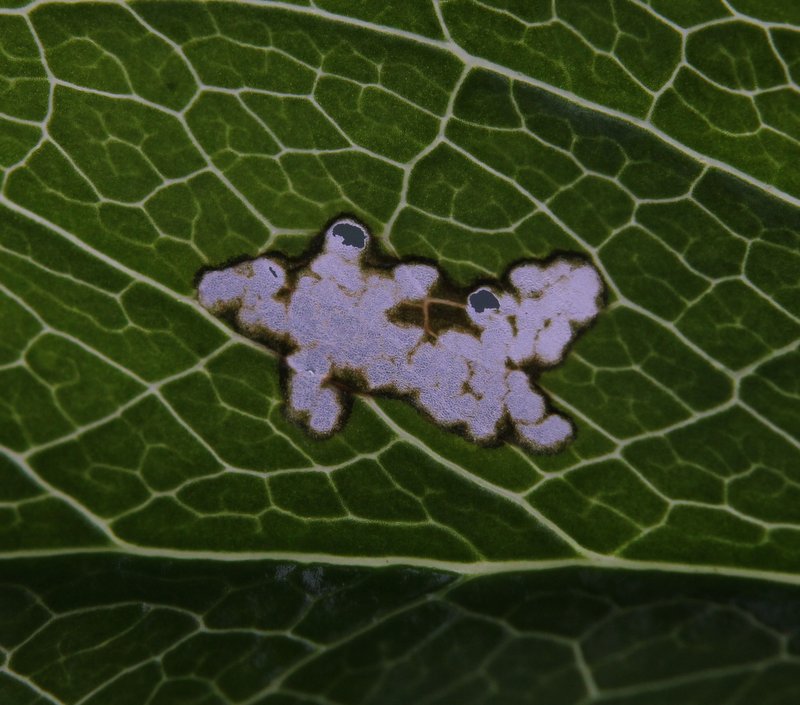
(101, 630)
(144, 142)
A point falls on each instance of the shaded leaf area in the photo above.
(144, 141)
(106, 628)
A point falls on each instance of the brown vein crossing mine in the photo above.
(346, 321)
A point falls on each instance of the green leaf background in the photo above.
(142, 141)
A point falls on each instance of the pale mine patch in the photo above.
(336, 317)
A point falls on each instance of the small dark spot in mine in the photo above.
(351, 234)
(274, 273)
(483, 299)
(513, 321)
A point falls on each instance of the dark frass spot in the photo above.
(274, 273)
(351, 234)
(483, 299)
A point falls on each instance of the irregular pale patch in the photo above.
(335, 311)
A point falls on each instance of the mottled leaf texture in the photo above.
(142, 143)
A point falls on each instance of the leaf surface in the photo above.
(99, 630)
(140, 143)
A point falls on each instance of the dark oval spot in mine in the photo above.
(483, 299)
(351, 235)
